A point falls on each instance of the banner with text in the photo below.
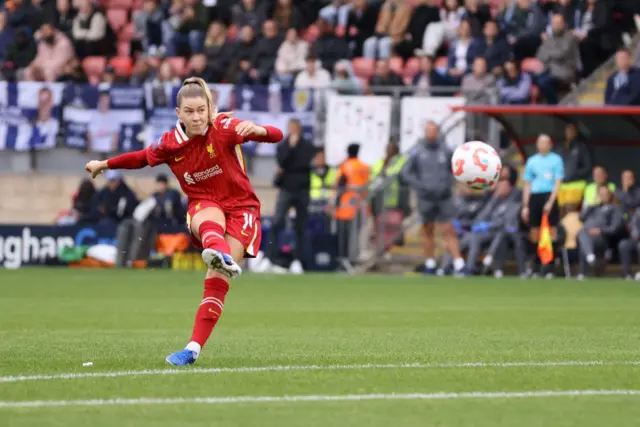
(29, 115)
(417, 111)
(270, 105)
(365, 120)
(160, 101)
(103, 119)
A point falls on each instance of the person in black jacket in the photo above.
(423, 15)
(264, 56)
(294, 156)
(361, 24)
(169, 210)
(328, 48)
(578, 163)
(623, 86)
(494, 48)
(115, 202)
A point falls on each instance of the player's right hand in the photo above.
(95, 167)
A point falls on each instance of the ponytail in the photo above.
(195, 87)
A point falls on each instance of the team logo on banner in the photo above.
(300, 100)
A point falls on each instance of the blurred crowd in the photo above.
(525, 49)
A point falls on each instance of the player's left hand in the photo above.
(247, 128)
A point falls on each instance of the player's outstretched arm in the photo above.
(133, 160)
(253, 132)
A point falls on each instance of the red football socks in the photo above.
(215, 289)
(212, 236)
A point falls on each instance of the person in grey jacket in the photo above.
(560, 56)
(523, 25)
(500, 213)
(631, 244)
(600, 223)
(629, 194)
(428, 172)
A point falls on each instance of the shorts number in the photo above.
(248, 221)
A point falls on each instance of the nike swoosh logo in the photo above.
(244, 233)
(178, 159)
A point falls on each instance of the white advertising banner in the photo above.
(417, 111)
(365, 120)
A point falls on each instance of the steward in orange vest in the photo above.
(353, 178)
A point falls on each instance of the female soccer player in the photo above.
(204, 153)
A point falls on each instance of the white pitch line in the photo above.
(316, 398)
(280, 368)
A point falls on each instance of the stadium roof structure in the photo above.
(612, 132)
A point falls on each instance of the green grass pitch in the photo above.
(486, 352)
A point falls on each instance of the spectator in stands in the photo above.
(576, 157)
(329, 48)
(337, 12)
(166, 75)
(249, 13)
(629, 245)
(499, 214)
(142, 71)
(437, 33)
(514, 86)
(523, 28)
(567, 8)
(169, 209)
(423, 14)
(560, 57)
(286, 15)
(313, 76)
(92, 34)
(429, 80)
(384, 77)
(475, 86)
(462, 52)
(64, 17)
(54, 52)
(115, 202)
(291, 57)
(6, 35)
(198, 68)
(478, 14)
(494, 48)
(294, 155)
(21, 14)
(262, 63)
(428, 171)
(218, 51)
(601, 223)
(189, 20)
(623, 86)
(629, 194)
(596, 33)
(600, 179)
(73, 72)
(19, 55)
(361, 25)
(81, 209)
(343, 81)
(390, 29)
(244, 49)
(147, 29)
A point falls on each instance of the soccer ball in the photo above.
(476, 164)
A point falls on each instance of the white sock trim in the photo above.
(430, 263)
(458, 264)
(194, 346)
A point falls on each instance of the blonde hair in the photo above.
(195, 87)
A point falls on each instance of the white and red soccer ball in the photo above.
(476, 164)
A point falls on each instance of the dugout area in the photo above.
(612, 133)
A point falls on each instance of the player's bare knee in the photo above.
(207, 214)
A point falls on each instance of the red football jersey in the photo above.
(209, 166)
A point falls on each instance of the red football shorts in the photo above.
(241, 223)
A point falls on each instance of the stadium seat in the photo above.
(396, 64)
(411, 67)
(118, 4)
(311, 34)
(532, 65)
(94, 66)
(126, 33)
(122, 65)
(178, 64)
(363, 67)
(124, 48)
(137, 4)
(117, 18)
